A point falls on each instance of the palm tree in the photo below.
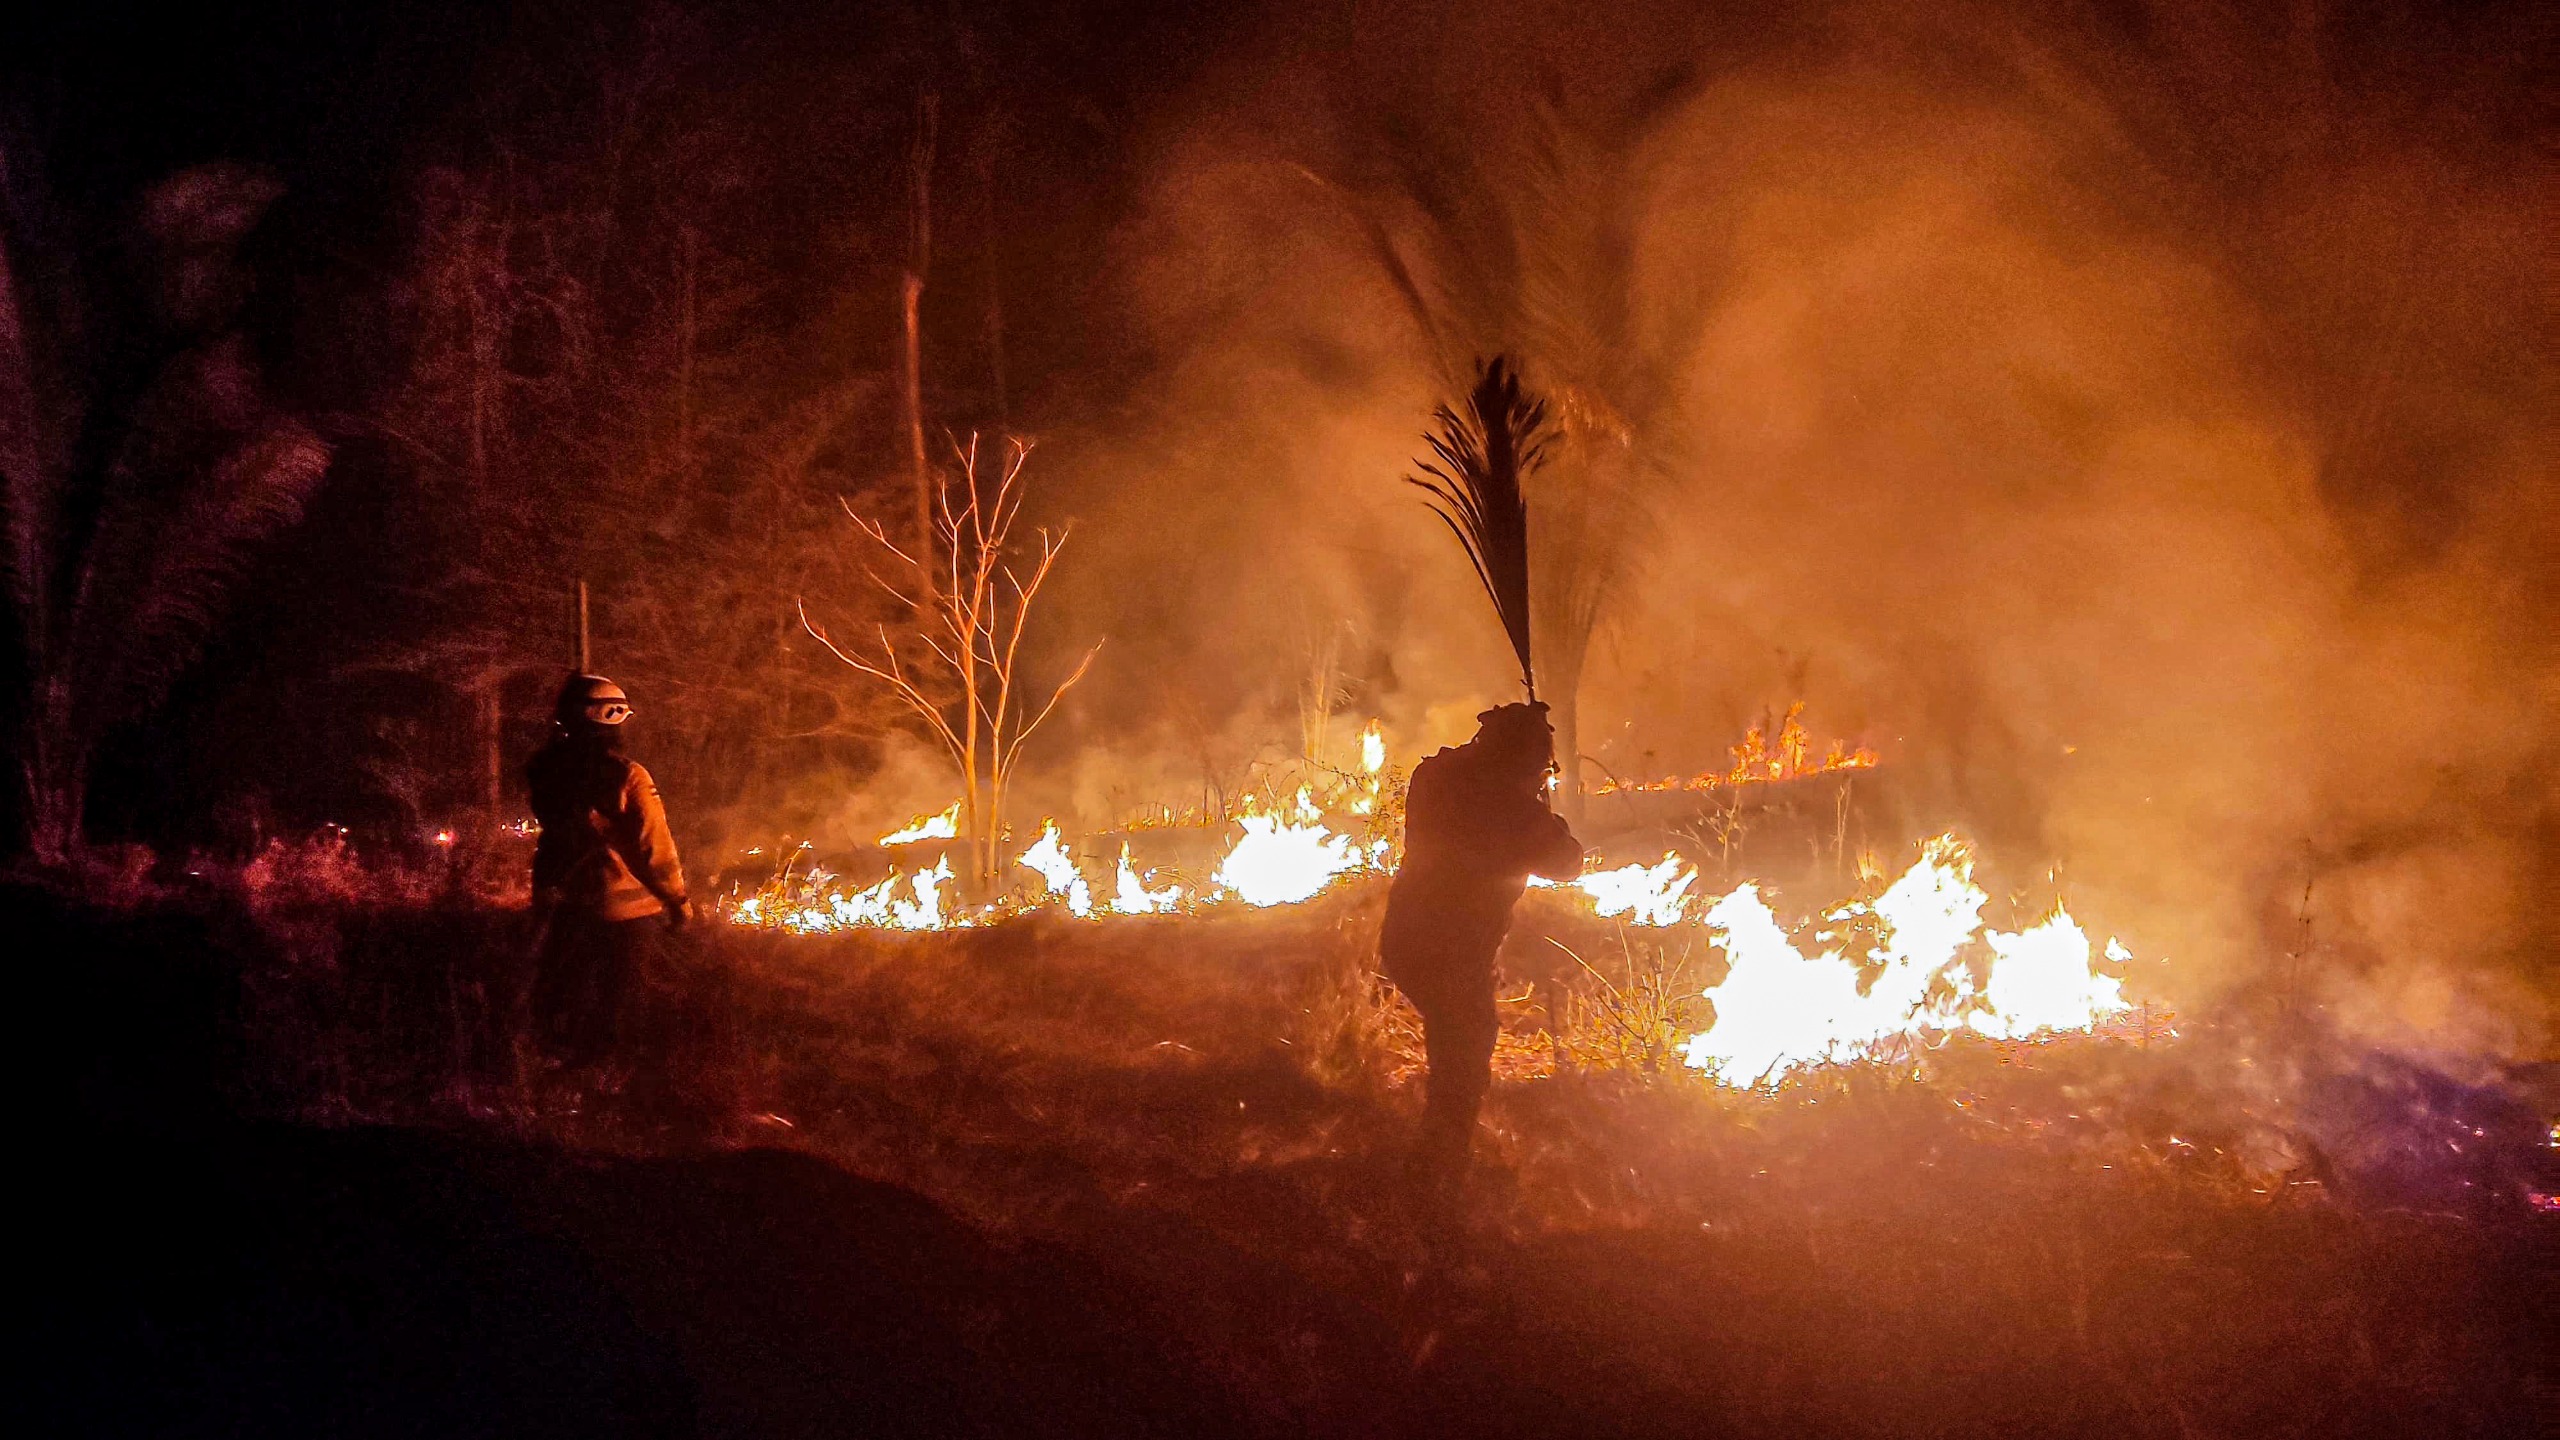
(134, 499)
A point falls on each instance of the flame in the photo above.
(1341, 792)
(821, 911)
(945, 826)
(1057, 869)
(2040, 981)
(1130, 895)
(1760, 761)
(1782, 1007)
(1914, 964)
(1284, 859)
(1779, 1010)
(1776, 1010)
(1646, 895)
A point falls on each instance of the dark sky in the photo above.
(327, 93)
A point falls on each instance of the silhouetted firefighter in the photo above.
(1477, 824)
(1477, 827)
(605, 875)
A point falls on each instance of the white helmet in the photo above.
(592, 700)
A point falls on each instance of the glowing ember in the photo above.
(1057, 870)
(1130, 895)
(1779, 1009)
(1285, 859)
(945, 826)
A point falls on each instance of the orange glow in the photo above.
(1756, 761)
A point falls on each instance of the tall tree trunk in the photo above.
(686, 327)
(56, 815)
(911, 395)
(995, 287)
(493, 736)
(911, 307)
(974, 774)
(56, 769)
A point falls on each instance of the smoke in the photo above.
(2130, 423)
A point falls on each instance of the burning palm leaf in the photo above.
(1475, 490)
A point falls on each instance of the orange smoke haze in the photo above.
(2133, 430)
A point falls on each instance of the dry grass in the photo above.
(2207, 1238)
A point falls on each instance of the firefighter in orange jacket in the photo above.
(1477, 827)
(605, 874)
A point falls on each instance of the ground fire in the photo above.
(1865, 978)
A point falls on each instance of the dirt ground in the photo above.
(1143, 1179)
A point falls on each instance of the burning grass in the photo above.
(1884, 973)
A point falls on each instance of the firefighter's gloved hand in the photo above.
(680, 914)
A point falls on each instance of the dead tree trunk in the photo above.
(493, 734)
(911, 311)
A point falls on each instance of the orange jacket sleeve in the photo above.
(647, 846)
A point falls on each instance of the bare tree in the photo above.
(134, 503)
(959, 671)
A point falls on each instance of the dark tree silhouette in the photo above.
(141, 469)
(599, 390)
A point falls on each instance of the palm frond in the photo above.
(162, 565)
(1475, 489)
(27, 464)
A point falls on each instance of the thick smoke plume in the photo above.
(2128, 421)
